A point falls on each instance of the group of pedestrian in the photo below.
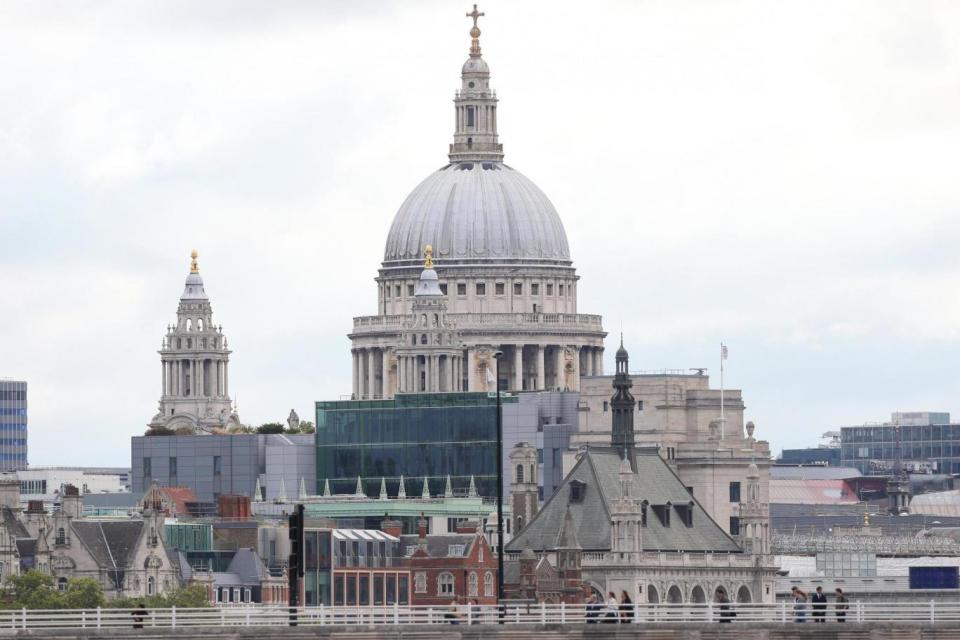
(819, 605)
(612, 611)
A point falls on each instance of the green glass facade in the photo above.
(431, 435)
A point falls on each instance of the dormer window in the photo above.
(662, 512)
(577, 491)
(643, 513)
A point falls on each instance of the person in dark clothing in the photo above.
(841, 606)
(593, 609)
(819, 600)
(721, 598)
(626, 608)
(138, 615)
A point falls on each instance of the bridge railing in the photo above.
(931, 612)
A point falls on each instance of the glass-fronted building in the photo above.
(417, 436)
(13, 425)
(923, 447)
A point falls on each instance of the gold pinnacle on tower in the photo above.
(428, 263)
(475, 31)
(193, 262)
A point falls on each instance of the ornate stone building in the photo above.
(503, 270)
(194, 360)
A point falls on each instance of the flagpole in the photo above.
(723, 420)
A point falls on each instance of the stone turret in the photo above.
(622, 405)
(523, 489)
(754, 517)
(626, 518)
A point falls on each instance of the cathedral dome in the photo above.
(478, 212)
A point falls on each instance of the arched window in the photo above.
(445, 584)
(151, 585)
(199, 324)
(61, 584)
(189, 324)
(519, 473)
(488, 584)
(472, 583)
(61, 536)
(423, 339)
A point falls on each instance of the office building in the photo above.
(13, 425)
(928, 443)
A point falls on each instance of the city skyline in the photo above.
(782, 190)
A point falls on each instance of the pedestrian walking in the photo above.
(626, 608)
(841, 606)
(819, 605)
(721, 598)
(613, 609)
(799, 605)
(138, 615)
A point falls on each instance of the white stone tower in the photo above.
(429, 357)
(754, 516)
(626, 518)
(523, 489)
(194, 359)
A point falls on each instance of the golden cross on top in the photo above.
(475, 14)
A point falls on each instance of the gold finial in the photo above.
(193, 262)
(428, 263)
(475, 31)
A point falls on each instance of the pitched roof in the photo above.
(248, 566)
(598, 469)
(438, 545)
(13, 524)
(111, 543)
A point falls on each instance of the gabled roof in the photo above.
(247, 566)
(438, 545)
(654, 482)
(111, 543)
(13, 524)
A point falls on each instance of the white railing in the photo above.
(781, 613)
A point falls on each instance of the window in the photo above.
(735, 492)
(473, 582)
(461, 288)
(540, 456)
(481, 288)
(518, 288)
(577, 489)
(386, 292)
(455, 550)
(470, 116)
(535, 289)
(396, 291)
(445, 584)
(152, 587)
(639, 405)
(61, 536)
(549, 288)
(410, 290)
(540, 494)
(561, 289)
(61, 584)
(734, 526)
(606, 406)
(443, 288)
(498, 288)
(147, 468)
(420, 582)
(519, 473)
(488, 583)
(402, 587)
(173, 468)
(217, 466)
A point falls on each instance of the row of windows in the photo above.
(909, 451)
(889, 433)
(172, 466)
(446, 584)
(13, 427)
(33, 486)
(16, 457)
(228, 595)
(355, 589)
(13, 442)
(8, 394)
(201, 343)
(480, 289)
(6, 411)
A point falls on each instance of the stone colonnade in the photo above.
(202, 377)
(523, 367)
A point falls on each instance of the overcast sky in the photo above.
(780, 176)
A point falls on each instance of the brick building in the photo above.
(454, 567)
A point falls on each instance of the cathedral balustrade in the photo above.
(670, 559)
(466, 321)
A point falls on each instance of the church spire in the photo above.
(475, 104)
(622, 404)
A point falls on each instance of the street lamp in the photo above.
(497, 355)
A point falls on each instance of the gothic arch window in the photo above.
(151, 586)
(473, 582)
(743, 594)
(488, 584)
(445, 584)
(519, 473)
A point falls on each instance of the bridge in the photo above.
(892, 620)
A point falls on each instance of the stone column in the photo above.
(598, 364)
(541, 371)
(561, 374)
(356, 374)
(226, 380)
(449, 373)
(371, 373)
(471, 370)
(400, 375)
(576, 369)
(385, 367)
(518, 367)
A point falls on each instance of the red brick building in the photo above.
(454, 567)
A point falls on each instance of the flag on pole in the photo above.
(723, 351)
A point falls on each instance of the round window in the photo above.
(470, 84)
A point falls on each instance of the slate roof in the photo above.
(111, 543)
(598, 469)
(247, 566)
(26, 547)
(13, 524)
(438, 545)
